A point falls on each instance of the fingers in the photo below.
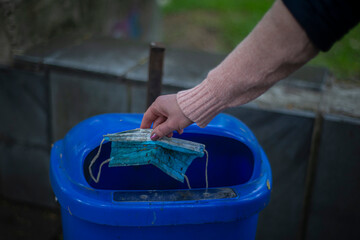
(159, 121)
(162, 130)
(149, 118)
(166, 117)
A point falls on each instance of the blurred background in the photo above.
(211, 26)
(218, 26)
(62, 62)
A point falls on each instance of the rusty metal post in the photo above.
(156, 62)
(310, 174)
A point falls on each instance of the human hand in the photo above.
(167, 117)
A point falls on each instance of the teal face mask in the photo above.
(134, 147)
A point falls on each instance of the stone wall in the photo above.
(25, 24)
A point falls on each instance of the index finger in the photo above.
(148, 119)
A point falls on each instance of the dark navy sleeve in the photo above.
(325, 21)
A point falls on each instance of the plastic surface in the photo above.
(93, 211)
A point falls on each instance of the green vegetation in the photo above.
(229, 21)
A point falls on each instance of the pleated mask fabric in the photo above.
(134, 147)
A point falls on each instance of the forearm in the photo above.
(275, 48)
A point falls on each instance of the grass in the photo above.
(227, 22)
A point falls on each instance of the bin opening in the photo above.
(230, 163)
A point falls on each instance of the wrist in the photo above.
(200, 104)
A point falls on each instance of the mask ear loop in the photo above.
(206, 169)
(206, 173)
(187, 181)
(96, 180)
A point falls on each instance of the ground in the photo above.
(19, 220)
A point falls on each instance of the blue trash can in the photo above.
(142, 202)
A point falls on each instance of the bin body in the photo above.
(142, 202)
(75, 228)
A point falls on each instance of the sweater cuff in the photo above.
(199, 104)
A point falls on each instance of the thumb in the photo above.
(161, 130)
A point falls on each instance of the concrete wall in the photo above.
(315, 192)
(73, 20)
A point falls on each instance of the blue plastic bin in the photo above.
(142, 202)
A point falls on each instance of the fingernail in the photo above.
(154, 137)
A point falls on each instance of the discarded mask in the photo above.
(134, 147)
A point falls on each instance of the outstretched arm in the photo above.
(276, 47)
